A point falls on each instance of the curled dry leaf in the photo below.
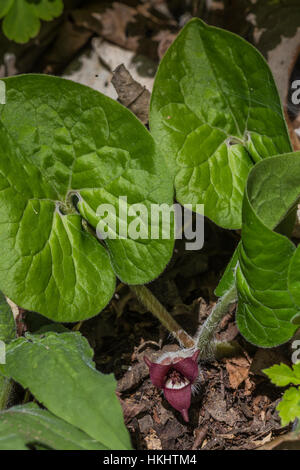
(131, 94)
(290, 441)
(238, 371)
(152, 441)
(109, 22)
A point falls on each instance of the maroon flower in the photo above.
(175, 375)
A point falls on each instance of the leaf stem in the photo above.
(158, 310)
(211, 323)
(6, 388)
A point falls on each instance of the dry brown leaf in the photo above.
(133, 377)
(165, 39)
(217, 408)
(238, 371)
(200, 435)
(248, 387)
(70, 39)
(290, 441)
(152, 441)
(263, 441)
(131, 94)
(109, 22)
(132, 409)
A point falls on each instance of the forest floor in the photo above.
(235, 405)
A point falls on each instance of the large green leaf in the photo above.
(58, 370)
(266, 307)
(214, 112)
(59, 139)
(23, 427)
(228, 279)
(22, 17)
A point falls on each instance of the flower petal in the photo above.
(180, 399)
(158, 372)
(188, 367)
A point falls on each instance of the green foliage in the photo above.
(215, 111)
(266, 275)
(59, 139)
(28, 426)
(282, 375)
(22, 17)
(59, 372)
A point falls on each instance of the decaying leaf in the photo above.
(131, 94)
(238, 370)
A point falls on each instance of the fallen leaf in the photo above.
(290, 441)
(263, 441)
(217, 408)
(133, 377)
(238, 371)
(145, 424)
(68, 42)
(152, 441)
(109, 21)
(131, 94)
(131, 409)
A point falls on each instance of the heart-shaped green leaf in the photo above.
(214, 112)
(58, 370)
(59, 139)
(22, 17)
(266, 306)
(24, 427)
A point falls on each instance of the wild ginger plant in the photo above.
(217, 137)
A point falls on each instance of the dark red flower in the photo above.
(175, 375)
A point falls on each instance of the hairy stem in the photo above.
(158, 310)
(211, 323)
